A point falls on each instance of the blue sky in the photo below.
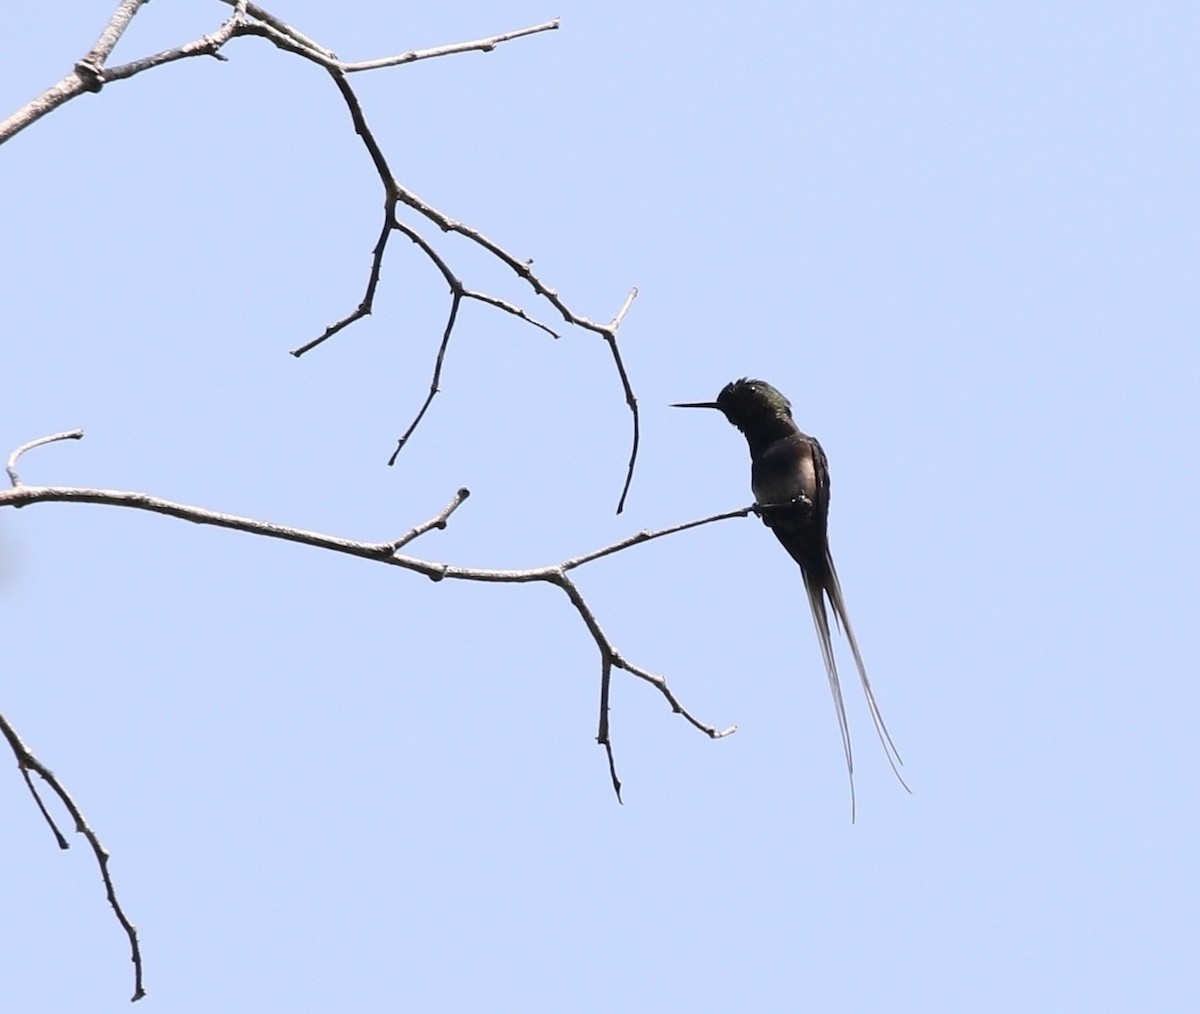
(962, 238)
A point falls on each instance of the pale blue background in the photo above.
(961, 237)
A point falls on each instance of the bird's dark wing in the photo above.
(820, 494)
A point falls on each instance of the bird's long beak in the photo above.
(696, 404)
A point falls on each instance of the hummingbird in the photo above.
(789, 476)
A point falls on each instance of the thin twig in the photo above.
(397, 192)
(16, 455)
(524, 270)
(602, 734)
(27, 762)
(437, 521)
(206, 45)
(507, 307)
(434, 384)
(364, 308)
(90, 74)
(387, 552)
(249, 19)
(610, 336)
(648, 535)
(479, 45)
(457, 292)
(267, 18)
(287, 37)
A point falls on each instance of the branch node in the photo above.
(91, 74)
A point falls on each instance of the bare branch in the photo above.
(384, 552)
(387, 552)
(458, 291)
(602, 734)
(206, 45)
(507, 307)
(288, 38)
(368, 301)
(661, 685)
(27, 762)
(610, 336)
(250, 19)
(112, 33)
(90, 74)
(397, 192)
(53, 97)
(457, 294)
(267, 18)
(451, 319)
(524, 270)
(646, 536)
(482, 45)
(437, 521)
(368, 139)
(16, 455)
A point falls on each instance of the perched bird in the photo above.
(790, 479)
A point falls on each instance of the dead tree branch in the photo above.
(26, 762)
(387, 551)
(91, 73)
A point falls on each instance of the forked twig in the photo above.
(91, 73)
(388, 552)
(26, 762)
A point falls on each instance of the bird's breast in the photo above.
(783, 473)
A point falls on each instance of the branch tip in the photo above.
(14, 457)
(612, 771)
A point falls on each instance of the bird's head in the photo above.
(753, 406)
